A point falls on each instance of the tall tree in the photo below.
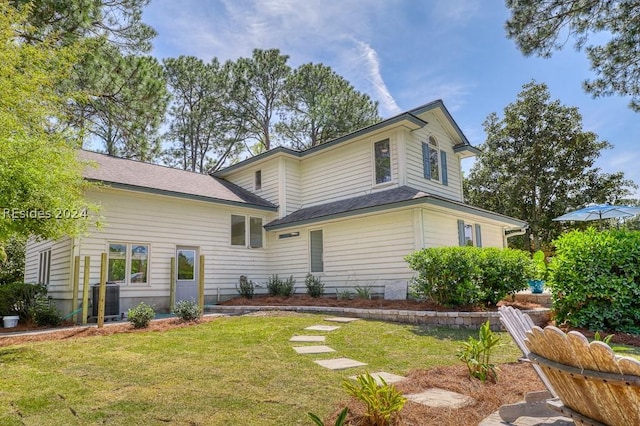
(204, 132)
(124, 104)
(537, 163)
(541, 26)
(257, 87)
(320, 105)
(41, 185)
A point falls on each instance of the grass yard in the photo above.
(233, 370)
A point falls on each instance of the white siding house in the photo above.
(348, 211)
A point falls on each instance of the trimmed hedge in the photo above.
(462, 276)
(595, 280)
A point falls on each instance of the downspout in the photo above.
(514, 233)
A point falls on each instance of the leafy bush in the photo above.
(187, 310)
(595, 280)
(278, 287)
(18, 298)
(43, 313)
(141, 315)
(315, 287)
(477, 354)
(459, 276)
(246, 287)
(383, 401)
(12, 268)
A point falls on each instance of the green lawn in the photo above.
(234, 370)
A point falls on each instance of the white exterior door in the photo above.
(186, 273)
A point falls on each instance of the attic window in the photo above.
(258, 180)
(382, 157)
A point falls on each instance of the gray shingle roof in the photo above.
(146, 177)
(387, 199)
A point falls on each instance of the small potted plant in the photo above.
(540, 274)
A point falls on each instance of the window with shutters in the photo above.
(469, 234)
(434, 161)
(316, 251)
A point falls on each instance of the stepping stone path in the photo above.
(313, 349)
(431, 397)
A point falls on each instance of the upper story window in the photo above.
(382, 157)
(240, 233)
(257, 182)
(434, 161)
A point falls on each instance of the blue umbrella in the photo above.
(599, 212)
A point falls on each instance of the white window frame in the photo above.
(257, 180)
(322, 257)
(247, 232)
(375, 163)
(128, 258)
(434, 149)
(474, 236)
(44, 267)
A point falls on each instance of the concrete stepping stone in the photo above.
(341, 319)
(313, 349)
(388, 377)
(323, 327)
(307, 339)
(435, 397)
(339, 363)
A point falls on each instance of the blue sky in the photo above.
(402, 53)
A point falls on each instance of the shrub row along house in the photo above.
(348, 211)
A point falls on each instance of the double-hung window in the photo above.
(128, 263)
(434, 161)
(250, 236)
(469, 234)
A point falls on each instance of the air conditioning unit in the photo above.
(112, 301)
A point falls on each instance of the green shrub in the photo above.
(18, 298)
(278, 287)
(315, 287)
(141, 315)
(246, 287)
(363, 292)
(187, 310)
(595, 280)
(476, 353)
(344, 294)
(43, 313)
(383, 401)
(459, 276)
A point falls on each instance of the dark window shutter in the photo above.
(443, 161)
(478, 236)
(316, 251)
(425, 161)
(461, 239)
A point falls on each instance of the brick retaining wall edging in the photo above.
(472, 320)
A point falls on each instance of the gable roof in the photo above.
(378, 201)
(152, 178)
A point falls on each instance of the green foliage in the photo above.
(383, 401)
(363, 292)
(476, 353)
(44, 313)
(320, 105)
(540, 27)
(18, 298)
(606, 339)
(246, 287)
(315, 287)
(459, 276)
(278, 287)
(141, 315)
(595, 280)
(344, 294)
(40, 177)
(12, 267)
(541, 270)
(515, 174)
(187, 310)
(340, 421)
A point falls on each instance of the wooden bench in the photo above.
(517, 324)
(594, 386)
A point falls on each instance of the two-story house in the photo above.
(348, 211)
